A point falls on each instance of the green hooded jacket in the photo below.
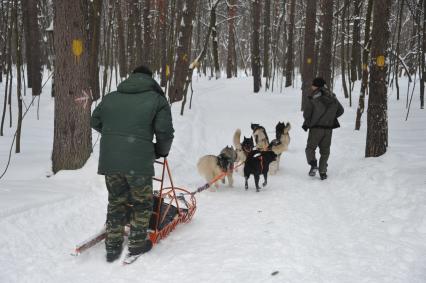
(322, 110)
(128, 119)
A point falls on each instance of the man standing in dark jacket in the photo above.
(320, 114)
(128, 119)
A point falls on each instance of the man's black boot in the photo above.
(113, 255)
(146, 247)
(314, 168)
(323, 176)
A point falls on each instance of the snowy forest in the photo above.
(227, 69)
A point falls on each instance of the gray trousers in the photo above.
(319, 138)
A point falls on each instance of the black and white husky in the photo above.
(256, 161)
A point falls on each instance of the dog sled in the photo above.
(172, 206)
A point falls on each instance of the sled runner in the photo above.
(172, 206)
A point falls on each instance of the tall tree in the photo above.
(343, 49)
(215, 45)
(72, 133)
(423, 59)
(231, 60)
(377, 118)
(32, 44)
(18, 42)
(266, 41)
(95, 12)
(356, 70)
(290, 53)
(183, 52)
(309, 49)
(365, 57)
(324, 68)
(163, 5)
(255, 48)
(122, 62)
(147, 34)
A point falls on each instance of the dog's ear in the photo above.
(253, 126)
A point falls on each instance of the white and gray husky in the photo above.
(278, 145)
(211, 166)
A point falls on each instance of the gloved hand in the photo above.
(305, 128)
(158, 155)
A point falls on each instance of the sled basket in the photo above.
(172, 206)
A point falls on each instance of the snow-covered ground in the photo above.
(366, 223)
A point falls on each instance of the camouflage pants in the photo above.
(319, 138)
(128, 192)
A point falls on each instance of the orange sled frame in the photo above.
(172, 197)
(176, 197)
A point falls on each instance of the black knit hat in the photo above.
(319, 82)
(143, 69)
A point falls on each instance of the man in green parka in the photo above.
(321, 112)
(128, 119)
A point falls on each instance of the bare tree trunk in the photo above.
(215, 50)
(324, 69)
(32, 44)
(147, 31)
(343, 52)
(290, 53)
(183, 52)
(8, 56)
(423, 67)
(365, 59)
(122, 62)
(356, 71)
(377, 118)
(163, 4)
(18, 43)
(267, 42)
(231, 62)
(131, 52)
(95, 12)
(401, 8)
(309, 49)
(255, 53)
(72, 134)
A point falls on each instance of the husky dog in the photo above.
(280, 144)
(211, 166)
(257, 163)
(260, 137)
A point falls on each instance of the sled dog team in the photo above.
(258, 154)
(261, 155)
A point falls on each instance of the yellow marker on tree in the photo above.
(167, 71)
(309, 60)
(380, 61)
(77, 48)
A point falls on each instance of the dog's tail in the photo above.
(287, 128)
(279, 148)
(237, 139)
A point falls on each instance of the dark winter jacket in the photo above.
(322, 110)
(128, 119)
